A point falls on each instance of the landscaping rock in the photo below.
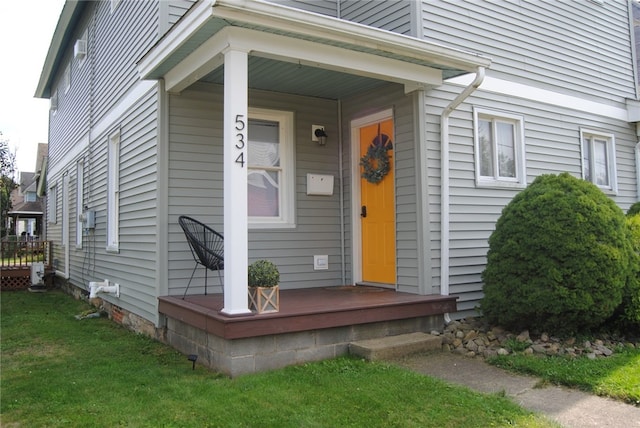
(473, 337)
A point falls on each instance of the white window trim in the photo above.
(79, 202)
(64, 230)
(66, 78)
(520, 181)
(65, 213)
(287, 162)
(53, 102)
(612, 188)
(113, 193)
(52, 204)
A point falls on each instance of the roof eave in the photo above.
(57, 46)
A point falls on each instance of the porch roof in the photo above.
(336, 56)
(27, 208)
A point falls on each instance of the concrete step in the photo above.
(395, 346)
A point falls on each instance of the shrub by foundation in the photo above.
(634, 209)
(627, 317)
(559, 259)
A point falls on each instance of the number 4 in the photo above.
(240, 159)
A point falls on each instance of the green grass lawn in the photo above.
(61, 372)
(617, 376)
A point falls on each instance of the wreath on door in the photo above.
(376, 161)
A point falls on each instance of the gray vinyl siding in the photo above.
(196, 188)
(582, 48)
(323, 7)
(391, 15)
(107, 73)
(177, 8)
(70, 121)
(101, 86)
(552, 145)
(115, 53)
(391, 96)
(134, 266)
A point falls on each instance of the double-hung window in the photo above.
(598, 159)
(52, 205)
(270, 174)
(499, 149)
(79, 201)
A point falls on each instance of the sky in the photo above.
(26, 29)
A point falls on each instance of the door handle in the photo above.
(363, 211)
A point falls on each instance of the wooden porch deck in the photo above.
(305, 310)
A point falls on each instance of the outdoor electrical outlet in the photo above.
(320, 262)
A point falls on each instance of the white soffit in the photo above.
(208, 57)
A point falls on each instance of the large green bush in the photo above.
(558, 260)
(634, 209)
(627, 317)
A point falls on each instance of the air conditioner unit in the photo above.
(37, 273)
(80, 49)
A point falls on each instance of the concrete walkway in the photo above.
(570, 408)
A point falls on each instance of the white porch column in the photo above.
(235, 182)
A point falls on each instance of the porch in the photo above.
(17, 255)
(312, 324)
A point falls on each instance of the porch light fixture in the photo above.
(321, 136)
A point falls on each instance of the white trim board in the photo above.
(519, 90)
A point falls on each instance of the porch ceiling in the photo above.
(351, 57)
(280, 76)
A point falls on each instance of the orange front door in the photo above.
(378, 208)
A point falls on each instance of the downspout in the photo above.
(444, 182)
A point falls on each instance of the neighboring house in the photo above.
(165, 108)
(27, 207)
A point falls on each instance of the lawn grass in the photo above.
(617, 376)
(61, 372)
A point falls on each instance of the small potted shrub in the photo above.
(264, 291)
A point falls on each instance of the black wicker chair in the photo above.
(206, 246)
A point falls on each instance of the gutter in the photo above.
(444, 182)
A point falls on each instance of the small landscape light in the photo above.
(193, 358)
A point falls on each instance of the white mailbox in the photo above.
(319, 184)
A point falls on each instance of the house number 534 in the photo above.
(240, 139)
